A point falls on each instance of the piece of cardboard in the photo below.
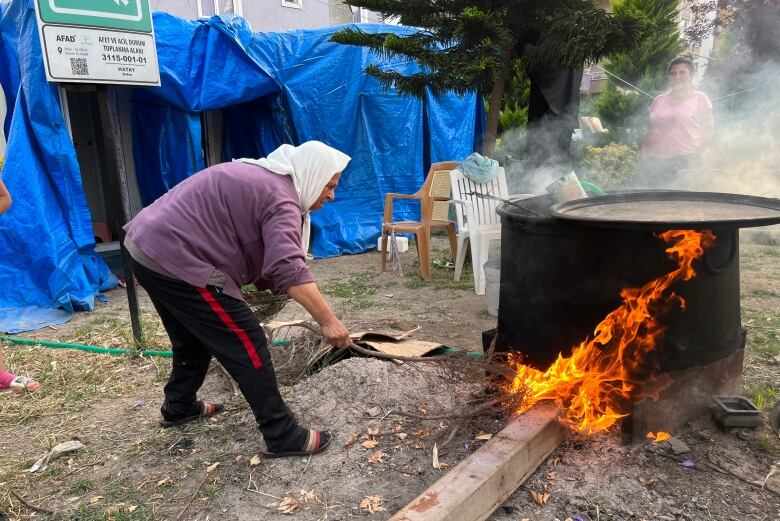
(394, 342)
(382, 334)
(405, 347)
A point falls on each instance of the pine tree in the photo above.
(622, 108)
(474, 45)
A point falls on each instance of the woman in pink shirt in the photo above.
(679, 131)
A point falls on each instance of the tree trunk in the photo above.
(494, 103)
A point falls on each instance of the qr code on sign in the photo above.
(78, 67)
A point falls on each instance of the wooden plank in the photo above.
(478, 485)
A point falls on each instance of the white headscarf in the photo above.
(311, 166)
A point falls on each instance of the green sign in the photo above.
(130, 15)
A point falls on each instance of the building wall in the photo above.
(271, 15)
(282, 15)
(187, 9)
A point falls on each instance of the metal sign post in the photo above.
(103, 42)
(109, 118)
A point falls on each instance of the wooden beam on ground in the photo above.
(482, 482)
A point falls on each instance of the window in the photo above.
(295, 4)
(209, 8)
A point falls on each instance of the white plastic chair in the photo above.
(478, 222)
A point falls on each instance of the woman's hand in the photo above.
(336, 333)
(308, 296)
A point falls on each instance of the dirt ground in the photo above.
(130, 469)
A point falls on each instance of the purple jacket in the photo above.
(238, 218)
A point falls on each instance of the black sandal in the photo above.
(316, 441)
(202, 409)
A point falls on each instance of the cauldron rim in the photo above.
(567, 211)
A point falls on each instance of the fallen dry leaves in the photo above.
(369, 443)
(422, 433)
(288, 505)
(372, 504)
(307, 495)
(255, 461)
(436, 463)
(540, 498)
(376, 457)
(483, 436)
(352, 440)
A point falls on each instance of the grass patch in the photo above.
(763, 293)
(764, 443)
(441, 279)
(208, 493)
(752, 252)
(70, 381)
(356, 292)
(111, 513)
(81, 486)
(764, 396)
(118, 333)
(763, 332)
(763, 342)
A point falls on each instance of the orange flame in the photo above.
(592, 385)
(658, 438)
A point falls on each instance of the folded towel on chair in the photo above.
(479, 168)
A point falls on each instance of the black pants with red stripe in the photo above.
(203, 322)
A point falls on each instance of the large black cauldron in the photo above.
(560, 277)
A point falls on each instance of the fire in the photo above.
(658, 438)
(592, 386)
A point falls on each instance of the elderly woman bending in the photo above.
(196, 246)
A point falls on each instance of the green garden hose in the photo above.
(102, 350)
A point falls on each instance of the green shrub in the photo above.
(512, 116)
(609, 167)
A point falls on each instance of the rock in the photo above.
(678, 446)
(374, 411)
(744, 435)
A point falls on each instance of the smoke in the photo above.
(744, 157)
(533, 157)
(744, 154)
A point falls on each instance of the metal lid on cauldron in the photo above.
(670, 210)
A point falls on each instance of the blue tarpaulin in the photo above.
(48, 265)
(297, 86)
(270, 88)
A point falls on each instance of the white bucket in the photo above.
(403, 243)
(492, 285)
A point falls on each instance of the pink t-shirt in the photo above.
(677, 127)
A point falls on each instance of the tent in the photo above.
(270, 88)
